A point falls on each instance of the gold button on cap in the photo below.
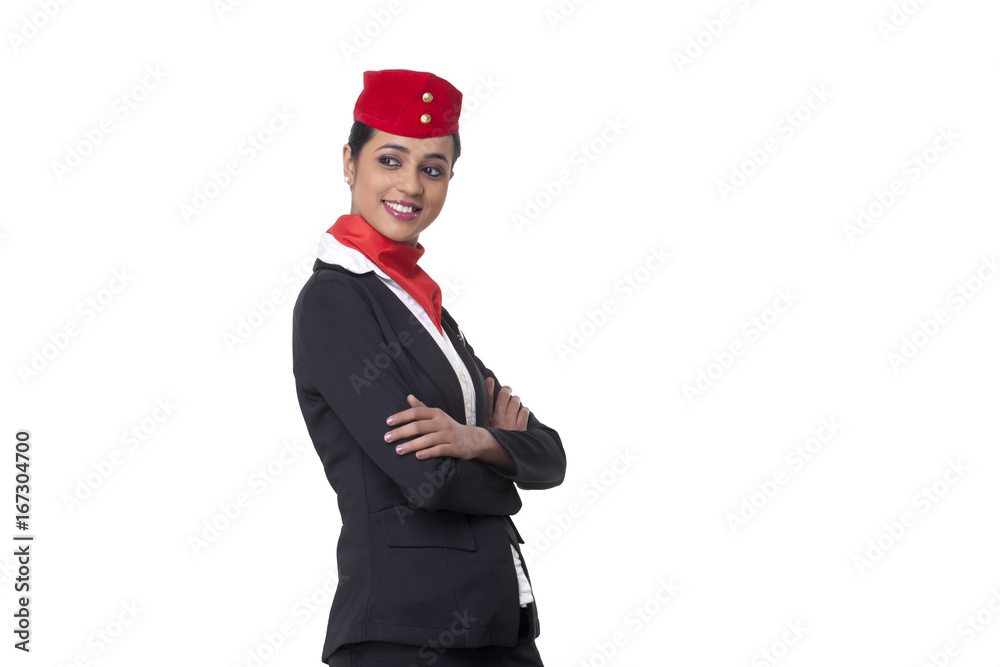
(428, 97)
(426, 118)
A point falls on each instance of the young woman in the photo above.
(421, 443)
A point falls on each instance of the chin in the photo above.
(396, 232)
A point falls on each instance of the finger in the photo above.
(426, 439)
(408, 428)
(522, 419)
(432, 452)
(414, 401)
(513, 406)
(450, 448)
(411, 414)
(503, 397)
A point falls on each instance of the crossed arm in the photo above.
(440, 435)
(515, 444)
(474, 468)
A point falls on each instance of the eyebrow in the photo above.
(404, 149)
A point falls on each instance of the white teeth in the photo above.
(401, 209)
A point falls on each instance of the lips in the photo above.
(401, 209)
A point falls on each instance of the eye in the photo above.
(433, 170)
(388, 161)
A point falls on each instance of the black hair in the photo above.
(361, 133)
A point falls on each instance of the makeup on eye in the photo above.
(404, 149)
(388, 160)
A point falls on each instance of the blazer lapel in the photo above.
(454, 333)
(428, 355)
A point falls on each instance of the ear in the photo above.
(452, 175)
(348, 162)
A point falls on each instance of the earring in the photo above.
(347, 179)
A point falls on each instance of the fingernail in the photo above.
(388, 436)
(420, 455)
(399, 449)
(390, 420)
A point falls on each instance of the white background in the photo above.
(537, 91)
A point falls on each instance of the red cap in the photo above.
(409, 104)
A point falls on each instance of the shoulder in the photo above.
(332, 288)
(334, 276)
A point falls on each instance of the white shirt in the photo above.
(333, 251)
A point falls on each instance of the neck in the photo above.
(412, 242)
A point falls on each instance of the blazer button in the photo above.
(461, 376)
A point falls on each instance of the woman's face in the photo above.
(400, 183)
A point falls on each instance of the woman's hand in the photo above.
(509, 414)
(440, 435)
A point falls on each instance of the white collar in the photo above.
(333, 251)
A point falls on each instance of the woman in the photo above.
(418, 438)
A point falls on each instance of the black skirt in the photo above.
(388, 654)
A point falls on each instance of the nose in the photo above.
(409, 181)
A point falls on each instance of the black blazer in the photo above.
(423, 556)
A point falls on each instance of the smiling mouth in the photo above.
(401, 210)
(400, 207)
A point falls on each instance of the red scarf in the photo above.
(397, 259)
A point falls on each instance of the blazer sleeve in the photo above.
(338, 331)
(537, 452)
